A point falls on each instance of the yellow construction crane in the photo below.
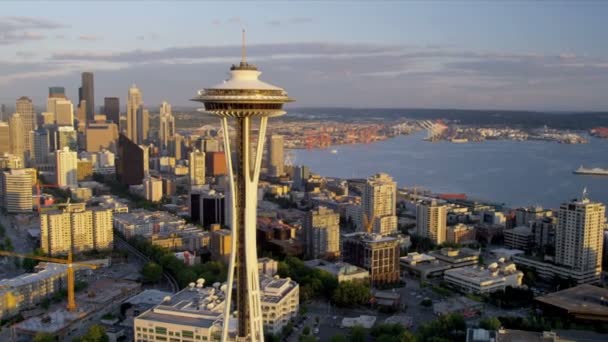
(71, 279)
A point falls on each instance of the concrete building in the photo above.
(583, 303)
(66, 136)
(134, 102)
(423, 266)
(16, 191)
(101, 135)
(220, 244)
(196, 313)
(215, 163)
(276, 155)
(175, 146)
(342, 271)
(5, 141)
(460, 234)
(76, 227)
(431, 219)
(25, 108)
(66, 168)
(380, 204)
(26, 291)
(9, 161)
(133, 162)
(153, 189)
(375, 253)
(166, 126)
(519, 238)
(481, 280)
(268, 266)
(143, 125)
(322, 233)
(84, 169)
(209, 144)
(300, 176)
(196, 162)
(17, 137)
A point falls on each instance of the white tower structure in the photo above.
(244, 97)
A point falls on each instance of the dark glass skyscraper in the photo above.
(111, 108)
(87, 93)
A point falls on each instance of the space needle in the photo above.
(243, 97)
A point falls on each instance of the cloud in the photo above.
(17, 30)
(89, 37)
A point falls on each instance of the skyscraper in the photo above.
(87, 93)
(322, 233)
(25, 108)
(196, 161)
(166, 125)
(143, 124)
(64, 112)
(431, 219)
(57, 92)
(41, 146)
(175, 146)
(66, 168)
(276, 157)
(67, 137)
(134, 102)
(132, 164)
(579, 235)
(153, 189)
(243, 97)
(300, 176)
(17, 137)
(380, 204)
(111, 108)
(101, 135)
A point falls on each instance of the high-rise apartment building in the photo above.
(25, 108)
(5, 141)
(579, 235)
(66, 168)
(134, 102)
(276, 156)
(300, 176)
(16, 190)
(166, 126)
(379, 202)
(111, 108)
(196, 162)
(215, 163)
(76, 227)
(17, 137)
(210, 145)
(87, 93)
(175, 146)
(322, 233)
(207, 207)
(431, 220)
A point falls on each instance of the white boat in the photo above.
(334, 151)
(594, 171)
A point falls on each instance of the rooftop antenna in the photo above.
(585, 193)
(243, 50)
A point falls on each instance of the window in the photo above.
(187, 334)
(161, 330)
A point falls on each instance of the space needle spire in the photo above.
(242, 99)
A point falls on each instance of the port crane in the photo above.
(70, 273)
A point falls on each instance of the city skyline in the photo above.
(436, 55)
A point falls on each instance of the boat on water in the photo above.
(594, 171)
(334, 151)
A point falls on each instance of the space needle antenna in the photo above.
(243, 49)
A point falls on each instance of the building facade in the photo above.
(322, 233)
(431, 220)
(375, 253)
(276, 155)
(380, 204)
(66, 168)
(16, 191)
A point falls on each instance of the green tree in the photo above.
(407, 336)
(490, 323)
(351, 293)
(44, 337)
(306, 331)
(307, 338)
(29, 264)
(152, 272)
(96, 333)
(358, 334)
(338, 338)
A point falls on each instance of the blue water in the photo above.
(511, 172)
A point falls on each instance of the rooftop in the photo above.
(584, 300)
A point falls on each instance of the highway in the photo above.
(172, 282)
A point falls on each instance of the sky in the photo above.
(406, 54)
